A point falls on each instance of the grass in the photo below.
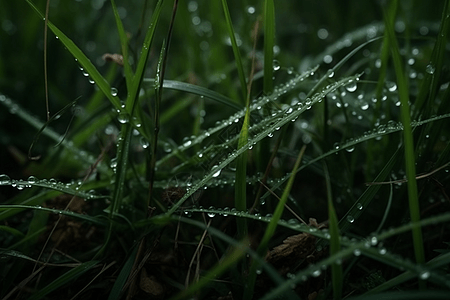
(189, 169)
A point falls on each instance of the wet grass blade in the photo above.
(269, 42)
(237, 54)
(240, 200)
(335, 246)
(197, 90)
(124, 46)
(82, 59)
(142, 63)
(225, 263)
(270, 230)
(410, 159)
(116, 291)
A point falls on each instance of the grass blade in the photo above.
(410, 158)
(269, 42)
(82, 59)
(237, 54)
(270, 230)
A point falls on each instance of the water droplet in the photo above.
(357, 252)
(276, 65)
(4, 179)
(32, 179)
(430, 69)
(113, 163)
(359, 206)
(350, 219)
(351, 87)
(123, 117)
(217, 173)
(167, 148)
(113, 91)
(373, 240)
(365, 106)
(144, 143)
(250, 10)
(330, 73)
(391, 86)
(350, 149)
(316, 273)
(424, 275)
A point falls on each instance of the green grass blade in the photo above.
(196, 90)
(82, 59)
(225, 263)
(142, 63)
(269, 42)
(66, 278)
(124, 45)
(403, 93)
(116, 291)
(237, 54)
(240, 200)
(335, 246)
(270, 230)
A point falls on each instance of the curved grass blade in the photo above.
(196, 90)
(225, 263)
(66, 278)
(237, 54)
(270, 230)
(124, 46)
(82, 59)
(142, 63)
(116, 291)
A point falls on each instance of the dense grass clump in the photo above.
(224, 150)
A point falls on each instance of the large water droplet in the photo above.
(351, 87)
(217, 173)
(4, 179)
(32, 179)
(123, 117)
(113, 91)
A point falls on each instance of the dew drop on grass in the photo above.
(144, 143)
(351, 87)
(316, 273)
(350, 219)
(123, 118)
(359, 206)
(430, 69)
(217, 173)
(276, 65)
(113, 91)
(365, 106)
(391, 86)
(357, 252)
(32, 179)
(424, 275)
(4, 179)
